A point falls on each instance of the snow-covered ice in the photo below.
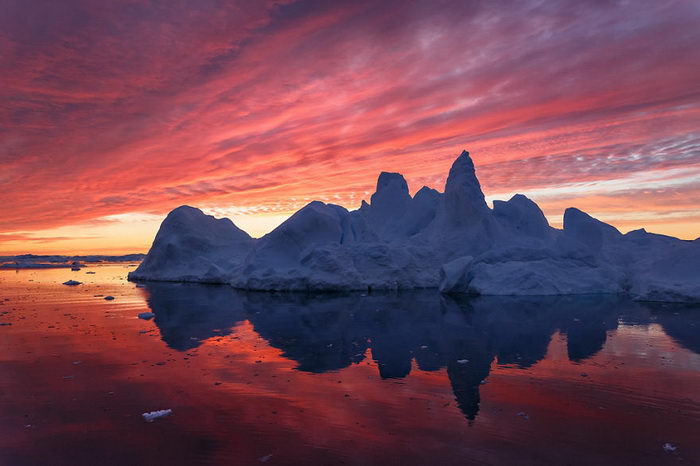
(153, 415)
(669, 447)
(450, 240)
(192, 246)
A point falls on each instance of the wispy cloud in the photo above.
(119, 107)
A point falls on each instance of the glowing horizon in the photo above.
(115, 113)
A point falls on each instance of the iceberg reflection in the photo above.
(327, 332)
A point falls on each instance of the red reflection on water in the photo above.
(78, 371)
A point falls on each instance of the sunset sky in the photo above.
(113, 112)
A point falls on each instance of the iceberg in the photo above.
(450, 240)
(191, 246)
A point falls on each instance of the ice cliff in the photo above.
(451, 240)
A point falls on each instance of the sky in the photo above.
(112, 113)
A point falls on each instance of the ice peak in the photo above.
(464, 158)
(428, 192)
(577, 221)
(391, 181)
(588, 230)
(464, 199)
(185, 214)
(185, 210)
(462, 177)
(523, 214)
(392, 192)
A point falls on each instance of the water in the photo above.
(410, 378)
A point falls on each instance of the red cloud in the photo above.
(131, 106)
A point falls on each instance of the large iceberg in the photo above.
(451, 240)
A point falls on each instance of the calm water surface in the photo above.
(410, 378)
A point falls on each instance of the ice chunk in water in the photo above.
(153, 415)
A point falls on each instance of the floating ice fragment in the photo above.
(462, 361)
(265, 459)
(109, 298)
(670, 448)
(72, 283)
(146, 315)
(153, 415)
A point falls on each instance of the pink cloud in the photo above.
(139, 106)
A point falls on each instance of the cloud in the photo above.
(137, 106)
(29, 237)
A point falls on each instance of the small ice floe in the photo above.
(670, 448)
(146, 315)
(72, 283)
(75, 363)
(424, 347)
(90, 273)
(523, 415)
(109, 298)
(462, 361)
(75, 269)
(153, 415)
(265, 459)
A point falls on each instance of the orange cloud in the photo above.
(262, 106)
